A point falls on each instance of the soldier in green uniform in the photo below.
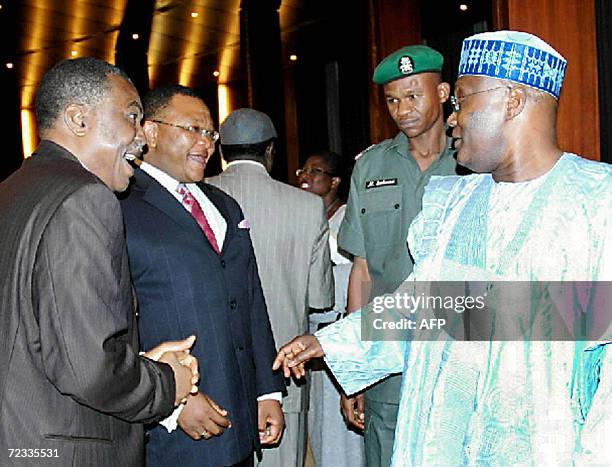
(386, 190)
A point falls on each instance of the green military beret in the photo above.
(408, 61)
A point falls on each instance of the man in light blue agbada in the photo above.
(530, 213)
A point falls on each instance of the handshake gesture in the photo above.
(185, 366)
(201, 418)
(293, 355)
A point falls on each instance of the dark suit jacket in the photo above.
(184, 288)
(70, 374)
(291, 241)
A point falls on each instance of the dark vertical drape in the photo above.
(11, 156)
(261, 54)
(603, 15)
(131, 54)
(331, 82)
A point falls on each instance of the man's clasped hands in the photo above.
(201, 418)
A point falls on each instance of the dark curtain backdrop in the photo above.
(603, 13)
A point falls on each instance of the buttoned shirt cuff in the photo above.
(274, 396)
(171, 423)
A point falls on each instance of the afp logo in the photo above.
(406, 65)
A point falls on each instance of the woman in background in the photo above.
(333, 443)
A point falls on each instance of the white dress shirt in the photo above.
(213, 216)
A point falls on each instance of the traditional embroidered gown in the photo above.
(499, 402)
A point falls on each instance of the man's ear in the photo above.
(517, 99)
(269, 156)
(443, 92)
(77, 118)
(220, 149)
(150, 130)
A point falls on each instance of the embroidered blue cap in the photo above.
(516, 56)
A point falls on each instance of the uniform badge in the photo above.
(406, 65)
(382, 182)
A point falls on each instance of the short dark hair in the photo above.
(254, 151)
(77, 81)
(159, 98)
(334, 161)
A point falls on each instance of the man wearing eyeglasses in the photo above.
(386, 190)
(531, 213)
(193, 267)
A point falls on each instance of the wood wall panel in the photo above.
(392, 24)
(569, 26)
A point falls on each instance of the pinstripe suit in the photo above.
(184, 287)
(70, 375)
(290, 236)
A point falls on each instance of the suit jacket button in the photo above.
(233, 304)
(240, 348)
(363, 210)
(223, 263)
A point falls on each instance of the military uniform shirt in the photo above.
(387, 187)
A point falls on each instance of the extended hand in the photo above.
(203, 418)
(170, 346)
(185, 366)
(176, 354)
(352, 409)
(270, 420)
(293, 355)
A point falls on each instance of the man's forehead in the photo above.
(315, 160)
(471, 82)
(420, 82)
(189, 107)
(123, 89)
(122, 84)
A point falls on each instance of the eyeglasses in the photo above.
(203, 132)
(456, 101)
(312, 171)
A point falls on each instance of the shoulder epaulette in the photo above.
(358, 156)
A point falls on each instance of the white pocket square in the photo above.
(244, 224)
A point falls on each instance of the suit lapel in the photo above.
(157, 196)
(219, 203)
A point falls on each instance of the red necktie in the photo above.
(196, 211)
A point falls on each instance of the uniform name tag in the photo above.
(379, 183)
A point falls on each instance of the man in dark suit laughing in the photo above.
(71, 378)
